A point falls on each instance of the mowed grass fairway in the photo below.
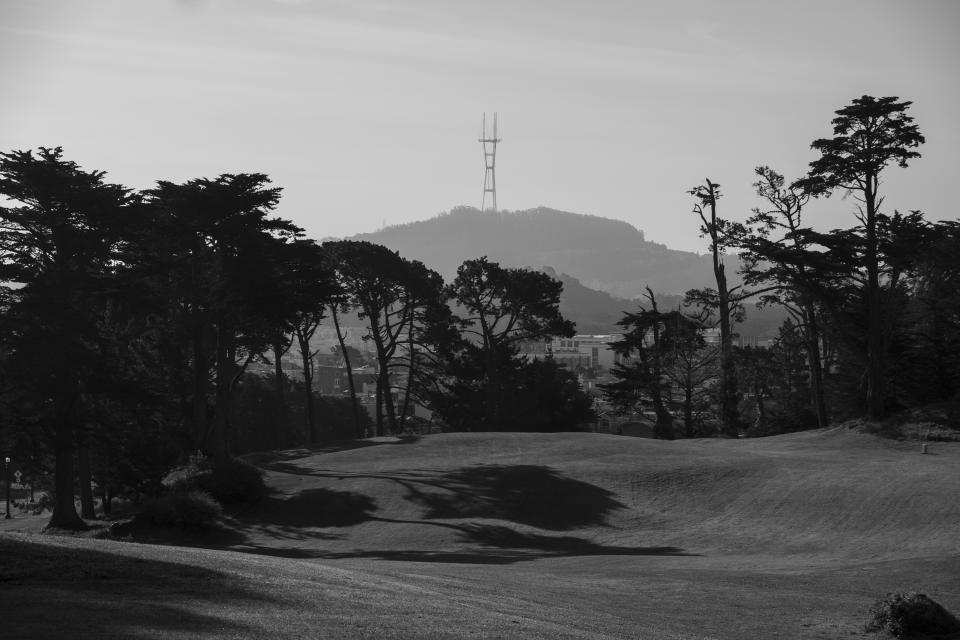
(527, 536)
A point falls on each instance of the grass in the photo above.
(531, 536)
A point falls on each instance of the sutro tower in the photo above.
(490, 160)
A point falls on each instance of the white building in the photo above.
(592, 351)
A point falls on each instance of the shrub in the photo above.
(905, 614)
(184, 508)
(230, 481)
(234, 481)
(186, 477)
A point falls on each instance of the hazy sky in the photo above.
(368, 111)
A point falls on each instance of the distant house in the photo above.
(588, 351)
(331, 380)
(711, 335)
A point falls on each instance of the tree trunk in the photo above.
(688, 409)
(346, 361)
(86, 491)
(279, 380)
(385, 400)
(306, 364)
(664, 426)
(389, 406)
(64, 514)
(815, 365)
(106, 498)
(492, 408)
(379, 404)
(308, 398)
(761, 421)
(217, 443)
(311, 408)
(410, 372)
(201, 382)
(729, 414)
(875, 392)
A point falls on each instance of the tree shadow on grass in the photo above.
(497, 545)
(314, 508)
(105, 595)
(525, 494)
(495, 536)
(522, 495)
(488, 544)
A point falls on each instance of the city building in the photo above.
(586, 351)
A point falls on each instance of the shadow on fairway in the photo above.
(556, 546)
(526, 494)
(499, 545)
(532, 495)
(315, 508)
(54, 591)
(523, 495)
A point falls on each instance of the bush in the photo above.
(231, 481)
(234, 481)
(185, 509)
(904, 614)
(185, 477)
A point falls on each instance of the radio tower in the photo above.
(490, 160)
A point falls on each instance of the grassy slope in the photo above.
(566, 535)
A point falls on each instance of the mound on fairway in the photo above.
(530, 536)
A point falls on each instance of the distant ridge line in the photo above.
(604, 253)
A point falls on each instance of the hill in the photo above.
(605, 254)
(604, 264)
(594, 312)
(597, 312)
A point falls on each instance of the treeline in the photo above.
(130, 318)
(874, 308)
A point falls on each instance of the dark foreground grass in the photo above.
(85, 588)
(53, 587)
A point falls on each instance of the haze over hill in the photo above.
(605, 254)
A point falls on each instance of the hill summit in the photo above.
(605, 254)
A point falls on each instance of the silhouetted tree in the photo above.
(868, 134)
(389, 293)
(691, 368)
(721, 233)
(335, 305)
(924, 355)
(650, 341)
(779, 253)
(59, 244)
(308, 286)
(431, 336)
(224, 262)
(503, 307)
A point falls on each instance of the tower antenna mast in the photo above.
(490, 161)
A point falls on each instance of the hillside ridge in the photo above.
(602, 253)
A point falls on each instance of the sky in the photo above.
(367, 112)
